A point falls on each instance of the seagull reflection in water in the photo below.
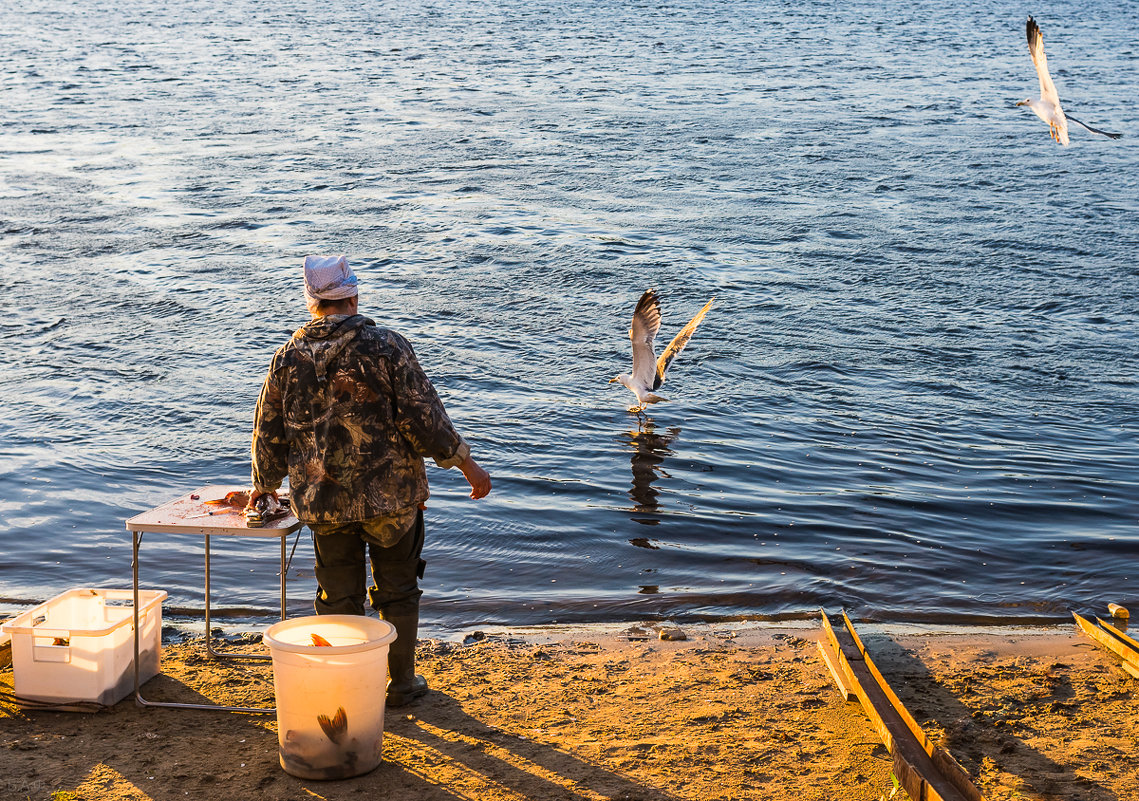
(649, 450)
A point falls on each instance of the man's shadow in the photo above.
(978, 739)
(511, 761)
(649, 450)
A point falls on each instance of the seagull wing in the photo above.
(1093, 130)
(1040, 61)
(677, 345)
(642, 332)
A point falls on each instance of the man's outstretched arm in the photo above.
(478, 478)
(424, 422)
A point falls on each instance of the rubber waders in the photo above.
(404, 686)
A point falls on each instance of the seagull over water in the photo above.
(649, 371)
(1047, 106)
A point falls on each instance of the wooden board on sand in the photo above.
(1112, 639)
(924, 769)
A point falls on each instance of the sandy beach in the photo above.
(731, 712)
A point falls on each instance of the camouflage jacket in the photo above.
(347, 412)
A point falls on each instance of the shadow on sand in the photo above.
(484, 757)
(926, 698)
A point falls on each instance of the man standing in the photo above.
(348, 414)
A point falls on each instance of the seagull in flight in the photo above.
(1047, 106)
(649, 371)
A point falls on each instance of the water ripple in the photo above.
(916, 396)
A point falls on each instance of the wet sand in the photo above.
(742, 711)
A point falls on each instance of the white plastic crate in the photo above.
(79, 646)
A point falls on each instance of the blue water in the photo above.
(915, 397)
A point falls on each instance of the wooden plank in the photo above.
(925, 770)
(1119, 634)
(1110, 640)
(830, 659)
(947, 766)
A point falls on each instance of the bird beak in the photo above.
(612, 380)
(1022, 103)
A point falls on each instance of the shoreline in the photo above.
(614, 712)
(192, 620)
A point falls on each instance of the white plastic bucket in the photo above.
(330, 698)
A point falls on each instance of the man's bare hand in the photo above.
(255, 495)
(478, 478)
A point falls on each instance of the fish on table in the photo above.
(267, 508)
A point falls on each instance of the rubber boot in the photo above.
(404, 686)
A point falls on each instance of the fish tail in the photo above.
(335, 728)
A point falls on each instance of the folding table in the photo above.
(190, 514)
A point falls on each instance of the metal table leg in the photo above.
(284, 568)
(215, 653)
(215, 707)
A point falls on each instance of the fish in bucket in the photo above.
(330, 675)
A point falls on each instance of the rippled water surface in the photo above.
(914, 397)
